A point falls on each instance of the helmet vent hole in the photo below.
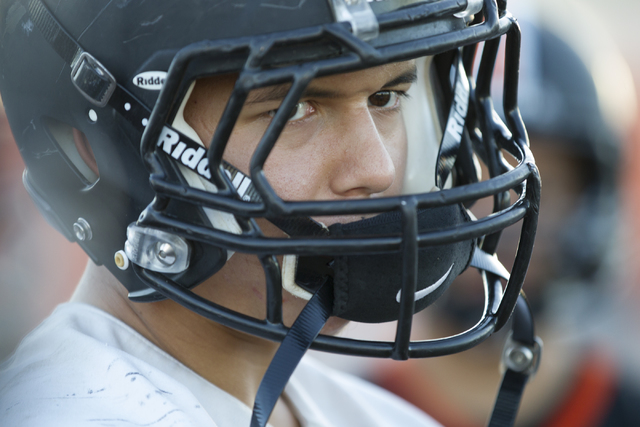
(74, 146)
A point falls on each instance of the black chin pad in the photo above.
(366, 287)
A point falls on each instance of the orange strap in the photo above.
(591, 396)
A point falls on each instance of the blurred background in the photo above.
(620, 21)
(579, 103)
(39, 268)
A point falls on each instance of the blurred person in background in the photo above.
(577, 99)
(37, 265)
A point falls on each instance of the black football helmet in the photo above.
(95, 90)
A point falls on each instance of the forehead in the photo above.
(380, 76)
(343, 85)
(366, 81)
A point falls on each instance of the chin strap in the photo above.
(488, 262)
(295, 344)
(522, 351)
(520, 359)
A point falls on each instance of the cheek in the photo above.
(394, 136)
(300, 165)
(295, 166)
(295, 176)
(240, 148)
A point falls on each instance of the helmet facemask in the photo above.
(311, 250)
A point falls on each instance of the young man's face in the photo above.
(345, 139)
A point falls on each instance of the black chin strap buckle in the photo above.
(520, 357)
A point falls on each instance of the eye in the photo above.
(300, 111)
(385, 99)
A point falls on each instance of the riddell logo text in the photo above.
(150, 80)
(458, 113)
(193, 157)
(141, 81)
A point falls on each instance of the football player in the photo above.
(247, 177)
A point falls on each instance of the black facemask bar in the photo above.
(356, 55)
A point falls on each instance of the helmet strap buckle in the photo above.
(92, 79)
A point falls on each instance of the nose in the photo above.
(363, 162)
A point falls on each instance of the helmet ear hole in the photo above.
(84, 150)
(74, 147)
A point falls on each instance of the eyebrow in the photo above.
(278, 92)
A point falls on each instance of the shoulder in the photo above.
(350, 400)
(70, 371)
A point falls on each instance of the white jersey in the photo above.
(83, 367)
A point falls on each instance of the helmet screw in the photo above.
(166, 253)
(82, 230)
(520, 358)
(121, 259)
